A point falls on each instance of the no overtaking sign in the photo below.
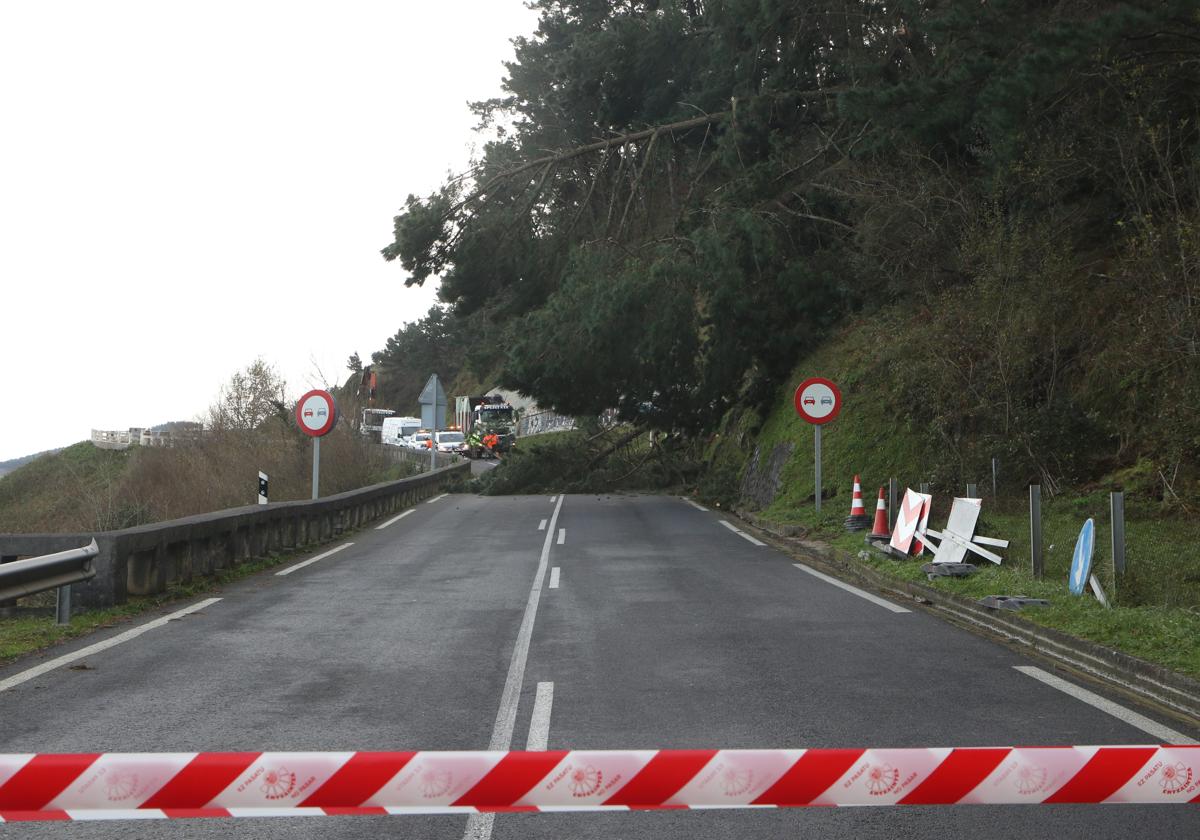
(818, 401)
(316, 413)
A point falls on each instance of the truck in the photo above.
(480, 417)
(371, 424)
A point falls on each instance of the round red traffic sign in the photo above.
(818, 400)
(317, 413)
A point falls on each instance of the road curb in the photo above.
(1148, 681)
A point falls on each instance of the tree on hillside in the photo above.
(250, 397)
(681, 197)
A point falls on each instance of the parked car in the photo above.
(419, 440)
(451, 441)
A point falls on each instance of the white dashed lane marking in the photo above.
(312, 560)
(393, 520)
(740, 532)
(854, 590)
(1164, 734)
(38, 670)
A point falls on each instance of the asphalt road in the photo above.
(660, 628)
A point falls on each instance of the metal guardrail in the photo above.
(148, 559)
(50, 571)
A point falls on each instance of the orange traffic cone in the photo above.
(858, 519)
(880, 530)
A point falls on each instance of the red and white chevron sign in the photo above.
(171, 785)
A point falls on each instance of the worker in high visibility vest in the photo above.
(491, 441)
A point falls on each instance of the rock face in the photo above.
(762, 478)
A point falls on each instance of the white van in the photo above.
(397, 429)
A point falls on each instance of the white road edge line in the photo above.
(562, 535)
(696, 506)
(393, 520)
(312, 560)
(479, 826)
(539, 723)
(554, 573)
(542, 525)
(45, 667)
(874, 599)
(740, 532)
(437, 498)
(1164, 734)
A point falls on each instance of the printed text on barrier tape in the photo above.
(157, 785)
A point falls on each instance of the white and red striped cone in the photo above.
(880, 530)
(858, 519)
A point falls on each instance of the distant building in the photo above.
(167, 434)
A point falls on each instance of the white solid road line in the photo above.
(562, 535)
(393, 520)
(554, 577)
(37, 671)
(312, 560)
(479, 826)
(542, 525)
(539, 723)
(1165, 735)
(437, 498)
(696, 506)
(874, 599)
(740, 532)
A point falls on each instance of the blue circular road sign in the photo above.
(1081, 561)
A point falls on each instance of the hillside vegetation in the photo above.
(982, 216)
(249, 428)
(83, 488)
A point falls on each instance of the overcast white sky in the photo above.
(186, 186)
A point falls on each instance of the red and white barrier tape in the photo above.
(162, 785)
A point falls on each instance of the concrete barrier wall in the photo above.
(147, 559)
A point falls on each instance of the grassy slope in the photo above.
(46, 489)
(1158, 601)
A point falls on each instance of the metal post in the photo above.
(1035, 529)
(893, 492)
(995, 474)
(817, 464)
(62, 611)
(316, 466)
(1116, 502)
(972, 491)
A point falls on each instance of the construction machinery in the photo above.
(484, 420)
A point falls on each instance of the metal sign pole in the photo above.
(817, 465)
(62, 612)
(1116, 503)
(1035, 529)
(316, 466)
